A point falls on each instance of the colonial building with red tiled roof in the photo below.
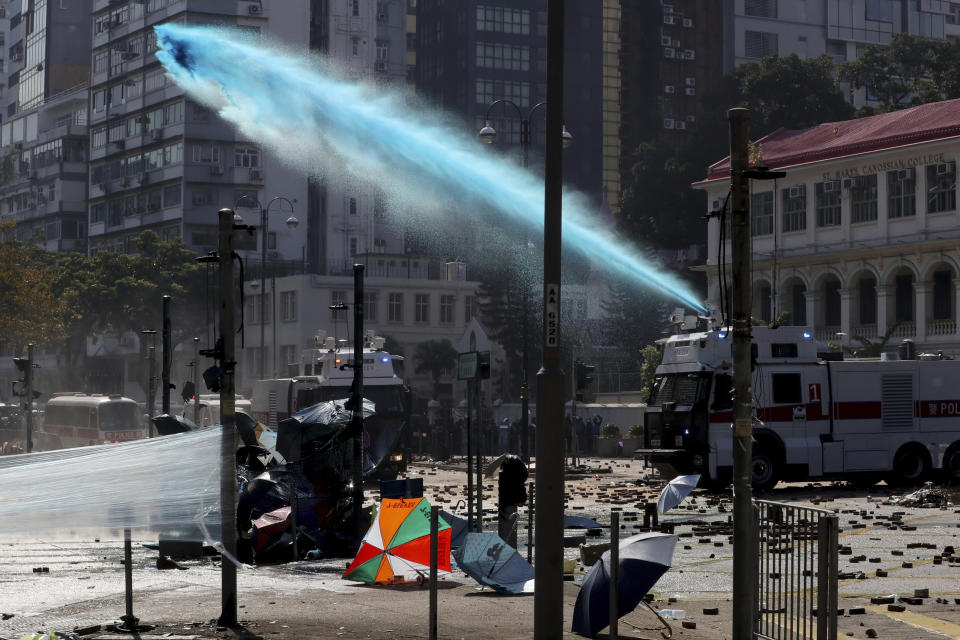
(861, 236)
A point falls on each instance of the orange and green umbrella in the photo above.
(396, 548)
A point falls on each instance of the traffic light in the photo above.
(483, 365)
(512, 482)
(23, 366)
(583, 376)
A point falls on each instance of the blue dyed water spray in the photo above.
(313, 118)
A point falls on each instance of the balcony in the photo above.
(905, 330)
(827, 334)
(865, 331)
(938, 328)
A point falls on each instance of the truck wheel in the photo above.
(765, 474)
(951, 464)
(910, 467)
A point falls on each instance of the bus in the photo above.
(79, 419)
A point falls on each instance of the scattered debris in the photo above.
(929, 496)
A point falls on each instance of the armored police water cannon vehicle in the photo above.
(816, 415)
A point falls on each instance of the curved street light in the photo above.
(292, 223)
(488, 134)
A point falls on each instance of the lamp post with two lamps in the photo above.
(292, 223)
(488, 134)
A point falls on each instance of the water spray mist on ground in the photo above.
(318, 122)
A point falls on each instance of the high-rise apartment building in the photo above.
(43, 138)
(673, 52)
(161, 161)
(473, 52)
(347, 222)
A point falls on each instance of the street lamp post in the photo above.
(488, 134)
(292, 223)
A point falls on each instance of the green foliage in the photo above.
(30, 310)
(72, 297)
(506, 293)
(657, 203)
(435, 357)
(786, 91)
(634, 316)
(635, 431)
(911, 70)
(869, 348)
(652, 356)
(610, 430)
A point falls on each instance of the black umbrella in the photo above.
(322, 421)
(643, 559)
(167, 424)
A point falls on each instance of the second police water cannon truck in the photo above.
(325, 372)
(816, 415)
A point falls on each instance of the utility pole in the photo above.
(28, 380)
(196, 381)
(228, 442)
(548, 571)
(471, 525)
(481, 437)
(744, 547)
(167, 356)
(151, 385)
(356, 398)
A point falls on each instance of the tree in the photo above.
(911, 70)
(787, 91)
(634, 317)
(652, 356)
(435, 357)
(657, 203)
(30, 310)
(506, 292)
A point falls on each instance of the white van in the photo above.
(209, 408)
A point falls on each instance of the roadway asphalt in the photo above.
(84, 585)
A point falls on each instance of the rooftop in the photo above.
(835, 140)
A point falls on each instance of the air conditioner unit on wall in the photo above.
(847, 183)
(669, 53)
(668, 88)
(688, 22)
(668, 20)
(254, 9)
(690, 82)
(829, 185)
(905, 174)
(668, 123)
(796, 192)
(680, 124)
(943, 168)
(666, 41)
(690, 91)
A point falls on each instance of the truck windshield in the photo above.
(685, 389)
(387, 399)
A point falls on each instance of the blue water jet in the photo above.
(311, 117)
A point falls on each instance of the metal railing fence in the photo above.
(796, 576)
